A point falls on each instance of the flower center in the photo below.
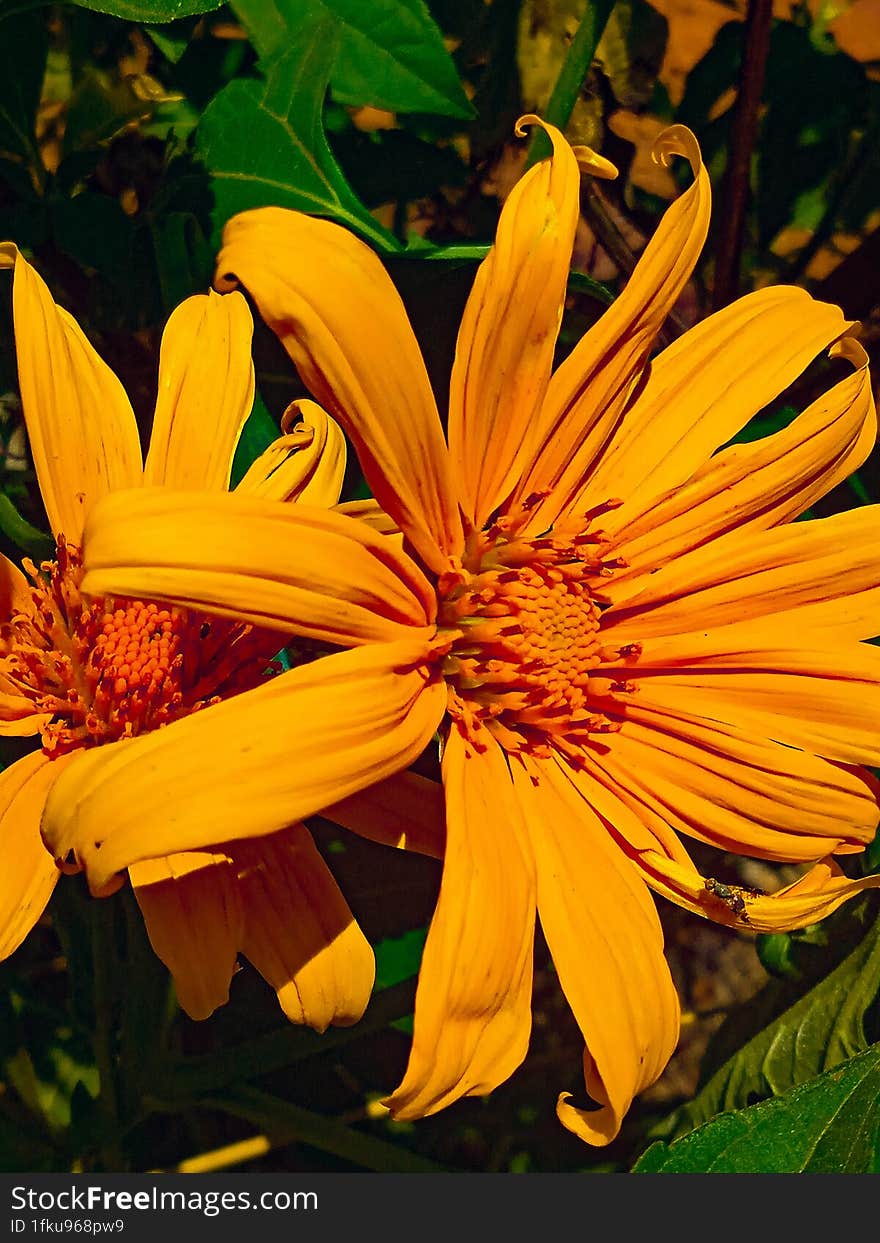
(104, 669)
(522, 619)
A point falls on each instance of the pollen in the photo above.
(523, 658)
(97, 670)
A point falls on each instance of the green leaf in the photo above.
(150, 10)
(806, 1035)
(398, 958)
(826, 1126)
(95, 231)
(257, 434)
(24, 45)
(37, 544)
(264, 142)
(391, 52)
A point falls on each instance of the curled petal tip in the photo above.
(8, 254)
(225, 282)
(677, 140)
(590, 161)
(527, 119)
(850, 349)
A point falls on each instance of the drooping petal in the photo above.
(505, 346)
(306, 464)
(607, 946)
(705, 387)
(81, 428)
(331, 303)
(192, 910)
(293, 568)
(29, 871)
(407, 811)
(824, 698)
(248, 766)
(206, 391)
(473, 1002)
(817, 894)
(824, 573)
(752, 486)
(590, 389)
(733, 787)
(299, 932)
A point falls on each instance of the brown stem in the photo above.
(734, 195)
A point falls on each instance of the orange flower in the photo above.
(87, 674)
(612, 619)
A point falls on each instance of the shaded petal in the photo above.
(588, 392)
(15, 590)
(328, 298)
(733, 787)
(370, 512)
(407, 811)
(29, 872)
(752, 486)
(191, 907)
(293, 568)
(299, 932)
(813, 897)
(824, 573)
(206, 391)
(822, 698)
(248, 766)
(81, 428)
(473, 1001)
(306, 464)
(504, 352)
(705, 387)
(607, 946)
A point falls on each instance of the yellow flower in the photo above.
(91, 673)
(612, 619)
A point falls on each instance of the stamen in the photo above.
(523, 656)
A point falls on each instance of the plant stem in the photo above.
(571, 77)
(734, 195)
(104, 966)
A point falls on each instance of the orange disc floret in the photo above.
(112, 668)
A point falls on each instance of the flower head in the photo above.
(93, 673)
(611, 618)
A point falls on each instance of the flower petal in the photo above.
(29, 870)
(824, 573)
(248, 766)
(473, 1001)
(206, 391)
(192, 910)
(330, 301)
(504, 352)
(590, 389)
(306, 464)
(81, 428)
(817, 894)
(607, 946)
(299, 932)
(752, 486)
(824, 698)
(370, 512)
(293, 568)
(733, 787)
(705, 387)
(406, 811)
